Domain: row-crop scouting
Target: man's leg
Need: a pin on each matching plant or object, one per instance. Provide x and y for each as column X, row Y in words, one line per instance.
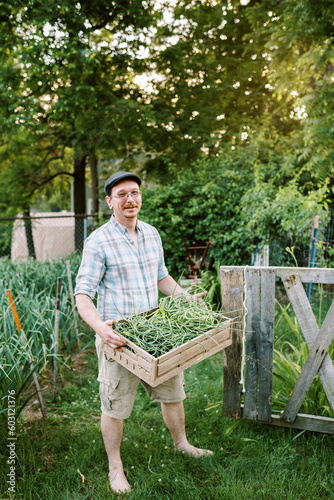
column 173, row 414
column 112, row 432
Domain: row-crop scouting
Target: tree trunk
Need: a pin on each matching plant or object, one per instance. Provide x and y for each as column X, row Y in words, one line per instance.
column 94, row 181
column 79, row 201
column 29, row 236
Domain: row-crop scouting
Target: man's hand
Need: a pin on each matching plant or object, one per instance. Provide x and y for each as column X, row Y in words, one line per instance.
column 200, row 295
column 104, row 329
column 197, row 297
column 109, row 336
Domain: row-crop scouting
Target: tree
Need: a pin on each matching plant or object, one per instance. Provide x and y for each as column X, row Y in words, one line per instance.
column 299, row 49
column 213, row 91
column 68, row 83
column 239, row 75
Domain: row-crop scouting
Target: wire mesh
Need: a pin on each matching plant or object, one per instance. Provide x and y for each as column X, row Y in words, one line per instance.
column 45, row 238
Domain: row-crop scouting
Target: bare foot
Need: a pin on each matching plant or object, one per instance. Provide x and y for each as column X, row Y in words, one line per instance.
column 192, row 451
column 118, row 482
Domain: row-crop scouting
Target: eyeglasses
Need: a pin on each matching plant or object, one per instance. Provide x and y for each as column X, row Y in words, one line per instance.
column 123, row 196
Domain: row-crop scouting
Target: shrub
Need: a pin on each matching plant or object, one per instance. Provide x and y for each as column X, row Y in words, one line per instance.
column 201, row 207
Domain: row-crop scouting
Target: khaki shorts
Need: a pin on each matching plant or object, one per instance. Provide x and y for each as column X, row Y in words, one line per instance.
column 118, row 387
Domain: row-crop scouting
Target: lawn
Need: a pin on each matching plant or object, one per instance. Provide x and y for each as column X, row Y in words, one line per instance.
column 63, row 456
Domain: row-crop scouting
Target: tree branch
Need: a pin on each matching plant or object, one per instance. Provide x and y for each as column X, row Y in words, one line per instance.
column 45, row 181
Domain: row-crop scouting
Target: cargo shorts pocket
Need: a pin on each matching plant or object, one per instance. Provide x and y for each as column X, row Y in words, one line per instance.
column 112, row 384
column 108, row 392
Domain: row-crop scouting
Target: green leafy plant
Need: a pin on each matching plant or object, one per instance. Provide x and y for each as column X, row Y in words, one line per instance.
column 289, row 359
column 33, row 287
column 211, row 282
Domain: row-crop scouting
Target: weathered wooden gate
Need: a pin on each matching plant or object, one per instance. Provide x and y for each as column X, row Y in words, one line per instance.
column 252, row 289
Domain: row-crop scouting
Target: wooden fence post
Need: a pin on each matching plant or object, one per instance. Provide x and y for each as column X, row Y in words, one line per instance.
column 266, row 348
column 252, row 281
column 232, row 304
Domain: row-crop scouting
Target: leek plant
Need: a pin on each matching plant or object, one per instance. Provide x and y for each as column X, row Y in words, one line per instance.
column 33, row 286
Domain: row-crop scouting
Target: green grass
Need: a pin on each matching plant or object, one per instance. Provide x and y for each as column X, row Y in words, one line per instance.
column 251, row 461
column 63, row 456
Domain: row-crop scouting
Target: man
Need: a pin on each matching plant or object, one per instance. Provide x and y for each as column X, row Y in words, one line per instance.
column 123, row 263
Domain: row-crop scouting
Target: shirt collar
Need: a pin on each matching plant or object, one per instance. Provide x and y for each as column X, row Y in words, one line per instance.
column 122, row 228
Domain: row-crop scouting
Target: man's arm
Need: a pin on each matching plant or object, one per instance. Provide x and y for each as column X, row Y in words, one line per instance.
column 168, row 286
column 89, row 314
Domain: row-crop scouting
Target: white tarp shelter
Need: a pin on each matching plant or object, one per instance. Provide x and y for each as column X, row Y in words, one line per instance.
column 53, row 236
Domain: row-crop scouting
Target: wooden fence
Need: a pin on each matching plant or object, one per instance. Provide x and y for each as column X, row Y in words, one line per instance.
column 249, row 293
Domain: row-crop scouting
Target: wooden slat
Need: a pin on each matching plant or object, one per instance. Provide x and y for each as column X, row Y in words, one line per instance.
column 232, row 304
column 252, row 279
column 125, row 356
column 188, row 361
column 307, row 422
column 311, row 366
column 196, row 351
column 310, row 330
column 265, row 346
column 307, row 275
column 303, row 421
column 214, row 333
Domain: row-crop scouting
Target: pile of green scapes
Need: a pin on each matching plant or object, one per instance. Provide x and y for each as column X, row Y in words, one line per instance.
column 177, row 320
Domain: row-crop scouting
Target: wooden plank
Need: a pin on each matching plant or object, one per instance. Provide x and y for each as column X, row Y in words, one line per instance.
column 126, row 357
column 186, row 363
column 303, row 421
column 307, row 274
column 307, row 422
column 232, row 304
column 201, row 347
column 265, row 346
column 252, row 280
column 311, row 366
column 310, row 329
column 214, row 333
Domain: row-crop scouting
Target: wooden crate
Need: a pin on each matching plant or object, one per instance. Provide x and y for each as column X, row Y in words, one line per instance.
column 154, row 371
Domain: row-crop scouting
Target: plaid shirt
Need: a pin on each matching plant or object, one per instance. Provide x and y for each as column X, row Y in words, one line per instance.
column 125, row 280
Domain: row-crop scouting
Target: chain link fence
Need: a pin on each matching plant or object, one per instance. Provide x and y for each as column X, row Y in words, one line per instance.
column 46, row 237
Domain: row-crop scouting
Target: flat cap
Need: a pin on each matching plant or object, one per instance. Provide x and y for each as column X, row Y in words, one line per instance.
column 118, row 177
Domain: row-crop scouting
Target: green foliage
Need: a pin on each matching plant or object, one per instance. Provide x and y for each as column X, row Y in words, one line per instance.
column 289, row 358
column 282, row 216
column 34, row 289
column 200, row 206
column 225, row 77
column 6, row 238
column 67, row 83
column 211, row 282
column 299, row 50
column 213, row 90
